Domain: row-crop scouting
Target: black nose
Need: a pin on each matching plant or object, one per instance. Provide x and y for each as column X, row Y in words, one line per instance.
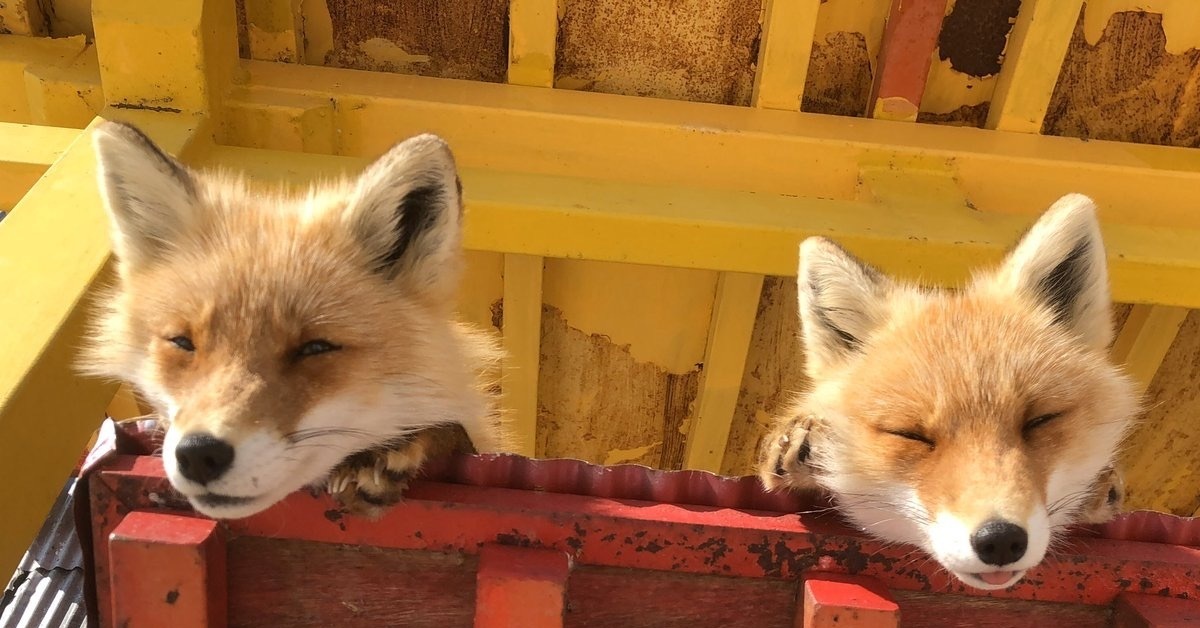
column 1000, row 542
column 202, row 458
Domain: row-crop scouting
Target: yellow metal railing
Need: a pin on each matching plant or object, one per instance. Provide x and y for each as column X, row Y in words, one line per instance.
column 547, row 173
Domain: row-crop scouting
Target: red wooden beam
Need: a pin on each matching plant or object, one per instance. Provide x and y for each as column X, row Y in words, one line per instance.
column 840, row 601
column 1138, row 610
column 520, row 587
column 167, row 570
column 909, row 40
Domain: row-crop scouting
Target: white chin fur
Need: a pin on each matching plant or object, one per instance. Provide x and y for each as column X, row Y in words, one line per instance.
column 949, row 541
column 264, row 471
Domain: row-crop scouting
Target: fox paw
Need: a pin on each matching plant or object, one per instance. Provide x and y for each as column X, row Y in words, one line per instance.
column 368, row 482
column 785, row 458
column 1106, row 498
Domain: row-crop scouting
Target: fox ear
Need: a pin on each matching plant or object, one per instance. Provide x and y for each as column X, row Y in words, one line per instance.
column 1060, row 262
column 407, row 210
column 149, row 196
column 840, row 299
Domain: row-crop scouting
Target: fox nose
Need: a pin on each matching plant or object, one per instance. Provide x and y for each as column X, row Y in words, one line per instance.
column 203, row 458
column 1000, row 542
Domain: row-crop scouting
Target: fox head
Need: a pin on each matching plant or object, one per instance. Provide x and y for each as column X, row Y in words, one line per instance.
column 970, row 423
column 276, row 334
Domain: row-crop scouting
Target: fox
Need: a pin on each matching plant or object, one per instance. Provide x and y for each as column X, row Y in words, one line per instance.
column 977, row 422
column 292, row 339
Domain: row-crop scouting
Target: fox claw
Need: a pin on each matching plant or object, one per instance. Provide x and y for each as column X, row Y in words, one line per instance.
column 368, row 482
column 784, row 460
column 1107, row 498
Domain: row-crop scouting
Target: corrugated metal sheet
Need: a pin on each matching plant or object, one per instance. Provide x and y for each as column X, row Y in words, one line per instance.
column 47, row 590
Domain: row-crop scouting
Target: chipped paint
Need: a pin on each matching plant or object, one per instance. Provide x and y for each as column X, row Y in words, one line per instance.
column 1179, row 20
column 386, row 53
column 622, row 456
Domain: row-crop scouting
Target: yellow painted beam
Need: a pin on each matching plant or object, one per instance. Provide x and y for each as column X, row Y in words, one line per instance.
column 788, row 27
column 661, row 142
column 1033, row 59
column 53, row 249
column 1151, row 465
column 733, row 316
column 687, row 227
column 532, row 31
column 176, row 56
column 1145, row 339
column 25, row 153
column 19, row 54
column 522, row 331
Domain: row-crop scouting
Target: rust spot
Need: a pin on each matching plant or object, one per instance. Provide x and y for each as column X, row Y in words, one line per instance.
column 1127, row 87
column 974, row 35
column 172, row 596
column 839, row 76
column 699, row 50
column 966, row 115
column 462, row 39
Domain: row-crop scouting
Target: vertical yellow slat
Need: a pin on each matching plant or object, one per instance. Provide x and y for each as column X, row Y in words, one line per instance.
column 1144, row 340
column 532, row 31
column 729, row 336
column 788, row 28
column 522, row 330
column 1033, row 58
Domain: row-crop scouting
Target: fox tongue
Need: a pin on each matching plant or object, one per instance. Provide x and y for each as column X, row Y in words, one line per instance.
column 997, row 577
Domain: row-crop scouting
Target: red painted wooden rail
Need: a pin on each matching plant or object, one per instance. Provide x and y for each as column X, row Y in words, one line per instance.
column 503, row 541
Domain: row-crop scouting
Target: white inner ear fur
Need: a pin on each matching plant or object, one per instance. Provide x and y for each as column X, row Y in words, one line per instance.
column 149, row 196
column 1060, row 263
column 840, row 302
column 406, row 208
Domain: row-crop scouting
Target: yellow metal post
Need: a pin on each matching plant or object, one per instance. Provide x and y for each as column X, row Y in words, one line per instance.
column 275, row 31
column 788, row 28
column 522, row 345
column 1036, row 48
column 729, row 335
column 533, row 28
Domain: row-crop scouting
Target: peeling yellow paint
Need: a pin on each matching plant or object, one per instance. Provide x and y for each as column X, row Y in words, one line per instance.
column 382, row 50
column 1179, row 20
column 948, row 89
column 621, row 456
column 661, row 314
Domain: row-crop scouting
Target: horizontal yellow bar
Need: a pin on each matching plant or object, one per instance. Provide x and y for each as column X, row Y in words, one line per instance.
column 25, row 153
column 672, row 143
column 555, row 216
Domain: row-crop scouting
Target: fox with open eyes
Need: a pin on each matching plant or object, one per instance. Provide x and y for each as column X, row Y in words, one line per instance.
column 292, row 340
column 974, row 424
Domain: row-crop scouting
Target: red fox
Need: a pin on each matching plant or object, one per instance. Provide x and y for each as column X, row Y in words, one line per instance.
column 291, row 340
column 975, row 424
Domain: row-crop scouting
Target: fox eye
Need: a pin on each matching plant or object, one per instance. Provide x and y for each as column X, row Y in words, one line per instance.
column 183, row 342
column 914, row 436
column 315, row 347
column 1039, row 421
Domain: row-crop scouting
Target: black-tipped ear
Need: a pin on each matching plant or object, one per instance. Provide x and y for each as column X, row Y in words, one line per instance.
column 839, row 301
column 407, row 210
column 149, row 196
column 1060, row 262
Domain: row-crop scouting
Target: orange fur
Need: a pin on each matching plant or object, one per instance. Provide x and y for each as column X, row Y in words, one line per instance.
column 936, row 413
column 249, row 277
